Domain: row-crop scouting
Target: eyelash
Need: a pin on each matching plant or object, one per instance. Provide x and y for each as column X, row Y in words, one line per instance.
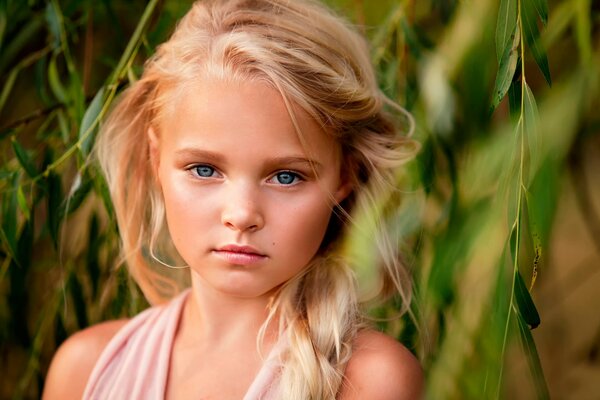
column 296, row 177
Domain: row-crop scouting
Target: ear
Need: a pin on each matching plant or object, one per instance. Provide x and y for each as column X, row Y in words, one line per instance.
column 153, row 148
column 343, row 190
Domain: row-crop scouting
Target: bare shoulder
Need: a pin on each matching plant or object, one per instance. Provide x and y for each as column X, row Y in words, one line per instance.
column 75, row 358
column 381, row 368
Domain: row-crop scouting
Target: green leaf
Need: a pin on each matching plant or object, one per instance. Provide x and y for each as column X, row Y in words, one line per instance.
column 23, row 203
column 533, row 359
column 90, row 122
column 505, row 26
column 507, row 68
column 78, row 300
column 2, row 26
column 531, row 122
column 54, row 80
column 525, row 303
column 414, row 44
column 24, row 159
column 93, row 255
column 514, row 92
column 8, row 85
column 55, row 196
column 541, row 7
column 79, row 192
column 532, row 36
column 53, row 21
column 9, row 214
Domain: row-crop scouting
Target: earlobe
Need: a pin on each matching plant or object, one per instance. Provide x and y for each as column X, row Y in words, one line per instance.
column 343, row 191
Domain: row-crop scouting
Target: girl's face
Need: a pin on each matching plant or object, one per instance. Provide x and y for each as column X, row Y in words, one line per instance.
column 245, row 208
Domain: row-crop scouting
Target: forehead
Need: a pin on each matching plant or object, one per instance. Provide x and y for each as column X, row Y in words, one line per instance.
column 236, row 115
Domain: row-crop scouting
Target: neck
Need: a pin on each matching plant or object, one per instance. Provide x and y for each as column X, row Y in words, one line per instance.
column 217, row 319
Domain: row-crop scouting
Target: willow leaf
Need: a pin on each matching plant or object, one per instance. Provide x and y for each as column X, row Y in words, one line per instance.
column 54, row 80
column 532, row 36
column 533, row 359
column 507, row 21
column 76, row 290
column 90, row 122
column 531, row 119
column 23, row 203
column 24, row 159
column 525, row 304
column 54, row 187
column 9, row 220
column 541, row 6
column 507, row 68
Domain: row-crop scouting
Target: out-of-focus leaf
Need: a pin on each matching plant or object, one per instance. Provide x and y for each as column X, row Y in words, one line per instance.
column 55, row 196
column 2, row 26
column 532, row 36
column 505, row 27
column 414, row 45
column 78, row 194
column 60, row 333
column 525, row 303
column 530, row 125
column 90, row 123
column 23, row 203
column 506, row 69
column 92, row 256
column 8, row 85
column 541, row 7
column 53, row 20
column 514, row 92
column 29, row 31
column 24, row 159
column 54, row 80
column 542, row 199
column 64, row 126
column 25, row 245
column 9, row 213
column 76, row 291
column 101, row 188
column 533, row 359
column 584, row 16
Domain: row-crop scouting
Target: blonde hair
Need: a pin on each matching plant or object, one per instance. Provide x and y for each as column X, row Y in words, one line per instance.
column 319, row 63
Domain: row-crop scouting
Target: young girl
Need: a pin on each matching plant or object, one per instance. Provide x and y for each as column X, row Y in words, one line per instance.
column 253, row 136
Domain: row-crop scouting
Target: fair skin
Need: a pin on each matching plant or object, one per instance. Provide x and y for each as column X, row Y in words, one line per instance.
column 247, row 207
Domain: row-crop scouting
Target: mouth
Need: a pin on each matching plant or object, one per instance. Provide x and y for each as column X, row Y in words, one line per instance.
column 239, row 255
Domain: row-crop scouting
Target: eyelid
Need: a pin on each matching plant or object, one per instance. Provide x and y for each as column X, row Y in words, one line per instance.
column 191, row 170
column 298, row 175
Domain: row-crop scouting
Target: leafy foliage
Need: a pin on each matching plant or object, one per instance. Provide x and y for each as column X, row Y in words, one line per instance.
column 474, row 216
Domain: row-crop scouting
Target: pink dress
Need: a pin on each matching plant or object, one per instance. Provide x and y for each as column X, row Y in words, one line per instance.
column 135, row 363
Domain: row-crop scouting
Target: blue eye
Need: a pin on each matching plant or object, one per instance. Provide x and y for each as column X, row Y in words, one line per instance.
column 286, row 178
column 204, row 171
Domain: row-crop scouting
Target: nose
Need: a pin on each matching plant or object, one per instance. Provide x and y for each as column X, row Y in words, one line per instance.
column 241, row 209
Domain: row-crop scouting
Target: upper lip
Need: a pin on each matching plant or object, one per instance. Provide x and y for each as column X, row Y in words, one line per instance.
column 235, row 248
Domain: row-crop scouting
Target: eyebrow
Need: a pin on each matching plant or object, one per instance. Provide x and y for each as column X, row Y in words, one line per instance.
column 210, row 156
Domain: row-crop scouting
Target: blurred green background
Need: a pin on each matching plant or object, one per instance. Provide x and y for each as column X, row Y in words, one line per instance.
column 499, row 215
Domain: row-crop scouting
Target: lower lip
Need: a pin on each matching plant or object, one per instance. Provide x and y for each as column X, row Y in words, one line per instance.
column 237, row 258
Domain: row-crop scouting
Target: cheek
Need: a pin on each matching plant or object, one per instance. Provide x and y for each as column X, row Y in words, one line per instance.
column 304, row 229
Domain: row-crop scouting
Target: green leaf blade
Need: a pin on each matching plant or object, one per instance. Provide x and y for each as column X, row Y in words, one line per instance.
column 505, row 26
column 525, row 304
column 533, row 359
column 531, row 123
column 532, row 37
column 89, row 123
column 507, row 68
column 541, row 6
column 24, row 159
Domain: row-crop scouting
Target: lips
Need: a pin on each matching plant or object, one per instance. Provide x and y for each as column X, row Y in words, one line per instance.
column 239, row 255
